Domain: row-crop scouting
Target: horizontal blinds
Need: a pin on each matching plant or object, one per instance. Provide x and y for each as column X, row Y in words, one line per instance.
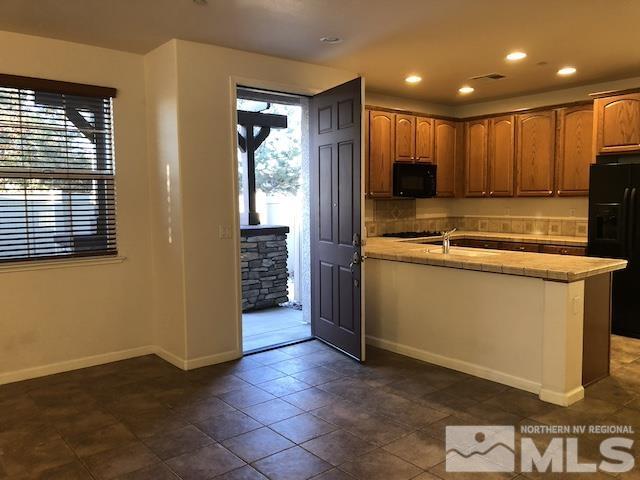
column 57, row 192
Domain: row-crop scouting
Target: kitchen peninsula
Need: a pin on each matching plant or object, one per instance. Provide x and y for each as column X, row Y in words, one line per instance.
column 534, row 321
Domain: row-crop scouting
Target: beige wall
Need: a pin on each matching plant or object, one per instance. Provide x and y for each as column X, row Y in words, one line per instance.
column 206, row 77
column 411, row 104
column 554, row 97
column 167, row 278
column 52, row 319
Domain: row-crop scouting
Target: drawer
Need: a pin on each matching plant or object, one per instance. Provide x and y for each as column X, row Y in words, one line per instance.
column 489, row 244
column 520, row 246
column 563, row 250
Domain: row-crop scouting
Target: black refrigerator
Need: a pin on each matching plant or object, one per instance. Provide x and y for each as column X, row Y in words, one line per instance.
column 614, row 226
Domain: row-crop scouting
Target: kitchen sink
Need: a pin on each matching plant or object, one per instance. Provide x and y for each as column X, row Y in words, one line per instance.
column 463, row 252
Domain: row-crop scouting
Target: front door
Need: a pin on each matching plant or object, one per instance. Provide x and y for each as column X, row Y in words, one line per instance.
column 335, row 188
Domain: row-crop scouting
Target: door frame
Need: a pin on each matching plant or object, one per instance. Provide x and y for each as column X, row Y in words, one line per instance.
column 293, row 89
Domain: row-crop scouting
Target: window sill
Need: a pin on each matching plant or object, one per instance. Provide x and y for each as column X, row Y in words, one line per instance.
column 62, row 263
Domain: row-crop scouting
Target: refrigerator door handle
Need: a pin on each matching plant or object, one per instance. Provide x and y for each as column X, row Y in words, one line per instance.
column 631, row 224
column 624, row 233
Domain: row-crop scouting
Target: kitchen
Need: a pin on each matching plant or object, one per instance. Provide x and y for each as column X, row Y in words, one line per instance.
column 467, row 195
column 423, row 270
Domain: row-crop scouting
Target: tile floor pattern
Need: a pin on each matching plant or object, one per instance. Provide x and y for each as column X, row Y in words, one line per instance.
column 304, row 411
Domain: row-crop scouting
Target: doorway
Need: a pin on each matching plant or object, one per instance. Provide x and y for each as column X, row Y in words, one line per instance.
column 300, row 183
column 274, row 218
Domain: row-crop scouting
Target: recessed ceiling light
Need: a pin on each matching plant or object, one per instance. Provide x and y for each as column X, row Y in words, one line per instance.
column 466, row 90
column 413, row 79
column 331, row 40
column 515, row 56
column 564, row 71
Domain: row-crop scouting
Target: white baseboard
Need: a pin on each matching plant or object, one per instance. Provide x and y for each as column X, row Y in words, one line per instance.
column 171, row 358
column 92, row 361
column 455, row 364
column 75, row 364
column 562, row 399
column 212, row 359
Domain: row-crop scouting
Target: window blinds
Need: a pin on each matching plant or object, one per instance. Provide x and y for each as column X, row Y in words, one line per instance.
column 57, row 192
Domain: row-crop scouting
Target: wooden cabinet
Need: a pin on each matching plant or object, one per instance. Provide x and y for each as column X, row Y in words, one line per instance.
column 424, row 139
column 476, row 135
column 617, row 124
column 520, row 247
column 535, row 153
column 382, row 127
column 563, row 250
column 445, row 157
column 501, row 156
column 405, row 150
column 574, row 150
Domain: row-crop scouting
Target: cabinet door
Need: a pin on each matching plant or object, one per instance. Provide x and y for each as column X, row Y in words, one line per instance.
column 574, row 150
column 563, row 250
column 445, row 157
column 519, row 246
column 535, row 155
column 476, row 134
column 405, row 138
column 618, row 123
column 501, row 156
column 424, row 139
column 366, row 153
column 381, row 151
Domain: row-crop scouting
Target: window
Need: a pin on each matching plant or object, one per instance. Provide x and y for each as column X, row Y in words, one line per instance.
column 57, row 193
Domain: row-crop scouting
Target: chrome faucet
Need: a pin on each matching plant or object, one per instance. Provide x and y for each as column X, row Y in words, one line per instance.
column 446, row 240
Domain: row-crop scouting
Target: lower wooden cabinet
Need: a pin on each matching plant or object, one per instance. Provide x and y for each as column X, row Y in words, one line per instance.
column 563, row 250
column 519, row 246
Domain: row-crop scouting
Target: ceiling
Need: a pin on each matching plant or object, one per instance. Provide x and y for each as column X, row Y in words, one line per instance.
column 444, row 41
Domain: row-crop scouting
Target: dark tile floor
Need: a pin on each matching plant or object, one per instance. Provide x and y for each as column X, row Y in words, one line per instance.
column 303, row 411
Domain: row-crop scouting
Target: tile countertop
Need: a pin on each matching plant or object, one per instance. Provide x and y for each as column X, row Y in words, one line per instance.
column 560, row 268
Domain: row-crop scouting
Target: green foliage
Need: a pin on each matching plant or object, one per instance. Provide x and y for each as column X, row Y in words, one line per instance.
column 278, row 160
column 277, row 170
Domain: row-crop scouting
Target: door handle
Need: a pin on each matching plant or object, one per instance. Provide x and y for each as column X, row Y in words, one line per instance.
column 625, row 222
column 631, row 224
column 357, row 259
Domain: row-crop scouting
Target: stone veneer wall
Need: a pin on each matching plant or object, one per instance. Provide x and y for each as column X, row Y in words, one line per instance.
column 263, row 254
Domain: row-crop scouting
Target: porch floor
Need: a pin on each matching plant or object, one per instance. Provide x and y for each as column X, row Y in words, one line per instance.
column 273, row 326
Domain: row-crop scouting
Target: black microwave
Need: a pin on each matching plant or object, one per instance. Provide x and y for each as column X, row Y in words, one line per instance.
column 416, row 180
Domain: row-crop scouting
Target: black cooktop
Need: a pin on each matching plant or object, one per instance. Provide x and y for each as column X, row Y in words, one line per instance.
column 412, row 234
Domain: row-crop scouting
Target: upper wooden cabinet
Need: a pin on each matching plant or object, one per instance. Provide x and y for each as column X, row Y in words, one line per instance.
column 501, row 156
column 535, row 153
column 382, row 127
column 424, row 139
column 445, row 157
column 617, row 124
column 476, row 154
column 405, row 138
column 574, row 150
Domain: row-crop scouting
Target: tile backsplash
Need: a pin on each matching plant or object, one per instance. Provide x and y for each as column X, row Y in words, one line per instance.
column 390, row 216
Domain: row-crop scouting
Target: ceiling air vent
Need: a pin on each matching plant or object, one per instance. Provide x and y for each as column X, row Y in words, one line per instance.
column 489, row 76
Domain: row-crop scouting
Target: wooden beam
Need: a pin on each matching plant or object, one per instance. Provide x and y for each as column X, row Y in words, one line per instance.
column 258, row 119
